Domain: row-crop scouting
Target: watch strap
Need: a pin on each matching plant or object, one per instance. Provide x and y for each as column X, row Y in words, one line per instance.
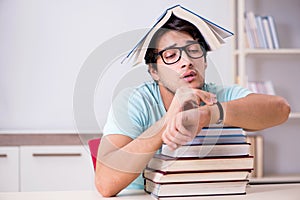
column 221, row 111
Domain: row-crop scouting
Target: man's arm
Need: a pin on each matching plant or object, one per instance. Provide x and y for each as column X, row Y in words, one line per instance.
column 122, row 159
column 253, row 112
column 256, row 111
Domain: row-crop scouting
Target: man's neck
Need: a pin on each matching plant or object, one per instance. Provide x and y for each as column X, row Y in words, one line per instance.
column 166, row 95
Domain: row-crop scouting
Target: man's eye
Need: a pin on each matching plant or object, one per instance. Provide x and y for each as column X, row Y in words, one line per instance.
column 170, row 55
column 194, row 50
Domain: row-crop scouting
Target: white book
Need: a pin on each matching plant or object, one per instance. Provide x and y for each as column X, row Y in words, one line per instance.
column 253, row 28
column 264, row 87
column 219, row 131
column 189, row 164
column 273, row 31
column 215, row 150
column 268, row 33
column 160, row 191
column 251, row 85
column 269, row 87
column 249, row 34
column 200, row 176
column 261, row 33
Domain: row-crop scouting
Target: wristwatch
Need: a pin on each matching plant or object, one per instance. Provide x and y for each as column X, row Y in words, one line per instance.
column 221, row 118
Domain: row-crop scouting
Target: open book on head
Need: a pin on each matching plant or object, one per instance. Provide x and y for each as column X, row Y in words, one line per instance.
column 212, row 33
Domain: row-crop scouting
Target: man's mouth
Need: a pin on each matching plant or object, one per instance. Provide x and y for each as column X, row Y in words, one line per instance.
column 189, row 76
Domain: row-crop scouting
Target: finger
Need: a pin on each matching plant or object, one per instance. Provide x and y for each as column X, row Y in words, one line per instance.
column 166, row 136
column 207, row 97
column 169, row 142
column 186, row 94
column 178, row 129
column 174, row 136
column 179, row 138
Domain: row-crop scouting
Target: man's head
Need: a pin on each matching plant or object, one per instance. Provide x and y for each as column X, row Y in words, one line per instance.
column 176, row 55
column 177, row 24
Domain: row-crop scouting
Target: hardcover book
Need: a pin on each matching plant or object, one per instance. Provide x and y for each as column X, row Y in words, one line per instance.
column 212, row 33
column 206, row 150
column 196, row 176
column 221, row 131
column 169, row 164
column 195, row 188
column 222, row 139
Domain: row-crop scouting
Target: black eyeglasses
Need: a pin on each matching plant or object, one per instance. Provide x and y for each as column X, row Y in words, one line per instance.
column 173, row 54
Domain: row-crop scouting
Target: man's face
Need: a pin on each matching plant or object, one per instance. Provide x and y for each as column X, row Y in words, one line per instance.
column 186, row 72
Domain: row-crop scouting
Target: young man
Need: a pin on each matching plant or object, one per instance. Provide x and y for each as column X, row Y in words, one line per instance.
column 173, row 108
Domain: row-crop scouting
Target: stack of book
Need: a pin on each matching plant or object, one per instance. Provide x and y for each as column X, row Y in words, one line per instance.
column 261, row 31
column 216, row 162
column 262, row 87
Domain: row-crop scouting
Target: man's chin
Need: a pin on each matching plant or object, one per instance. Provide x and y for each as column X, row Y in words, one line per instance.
column 194, row 85
column 180, row 84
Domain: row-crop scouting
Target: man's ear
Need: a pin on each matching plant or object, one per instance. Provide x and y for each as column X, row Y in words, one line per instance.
column 153, row 72
column 205, row 64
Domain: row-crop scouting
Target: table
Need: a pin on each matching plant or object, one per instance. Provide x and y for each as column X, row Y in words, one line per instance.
column 254, row 192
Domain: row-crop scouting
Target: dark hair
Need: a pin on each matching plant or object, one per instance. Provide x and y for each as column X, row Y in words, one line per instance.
column 174, row 23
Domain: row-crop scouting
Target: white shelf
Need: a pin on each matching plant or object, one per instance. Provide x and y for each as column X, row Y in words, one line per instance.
column 294, row 115
column 293, row 178
column 281, row 66
column 269, row 51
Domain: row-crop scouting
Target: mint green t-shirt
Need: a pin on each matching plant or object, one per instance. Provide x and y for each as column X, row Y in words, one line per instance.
column 134, row 110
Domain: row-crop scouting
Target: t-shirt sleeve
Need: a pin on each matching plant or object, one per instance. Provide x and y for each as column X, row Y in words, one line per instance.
column 125, row 115
column 231, row 93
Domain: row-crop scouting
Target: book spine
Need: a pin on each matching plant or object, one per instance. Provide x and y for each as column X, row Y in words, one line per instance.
column 273, row 31
column 267, row 32
column 261, row 33
column 269, row 87
column 250, row 17
column 248, row 34
column 264, row 87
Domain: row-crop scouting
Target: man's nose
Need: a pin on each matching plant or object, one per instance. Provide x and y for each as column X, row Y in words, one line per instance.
column 185, row 60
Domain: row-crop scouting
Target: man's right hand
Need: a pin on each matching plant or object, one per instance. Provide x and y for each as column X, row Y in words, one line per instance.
column 182, row 120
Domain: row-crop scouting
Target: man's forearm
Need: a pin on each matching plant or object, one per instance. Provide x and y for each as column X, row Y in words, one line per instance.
column 121, row 160
column 256, row 111
column 133, row 156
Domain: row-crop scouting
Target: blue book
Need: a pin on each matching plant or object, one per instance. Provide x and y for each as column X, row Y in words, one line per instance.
column 222, row 139
column 222, row 130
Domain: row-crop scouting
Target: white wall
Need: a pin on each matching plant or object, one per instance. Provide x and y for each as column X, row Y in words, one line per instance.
column 45, row 43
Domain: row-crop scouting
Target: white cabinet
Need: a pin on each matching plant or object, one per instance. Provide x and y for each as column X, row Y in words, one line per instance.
column 45, row 168
column 9, row 169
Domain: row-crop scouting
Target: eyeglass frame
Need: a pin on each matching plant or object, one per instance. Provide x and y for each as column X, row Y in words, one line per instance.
column 183, row 48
